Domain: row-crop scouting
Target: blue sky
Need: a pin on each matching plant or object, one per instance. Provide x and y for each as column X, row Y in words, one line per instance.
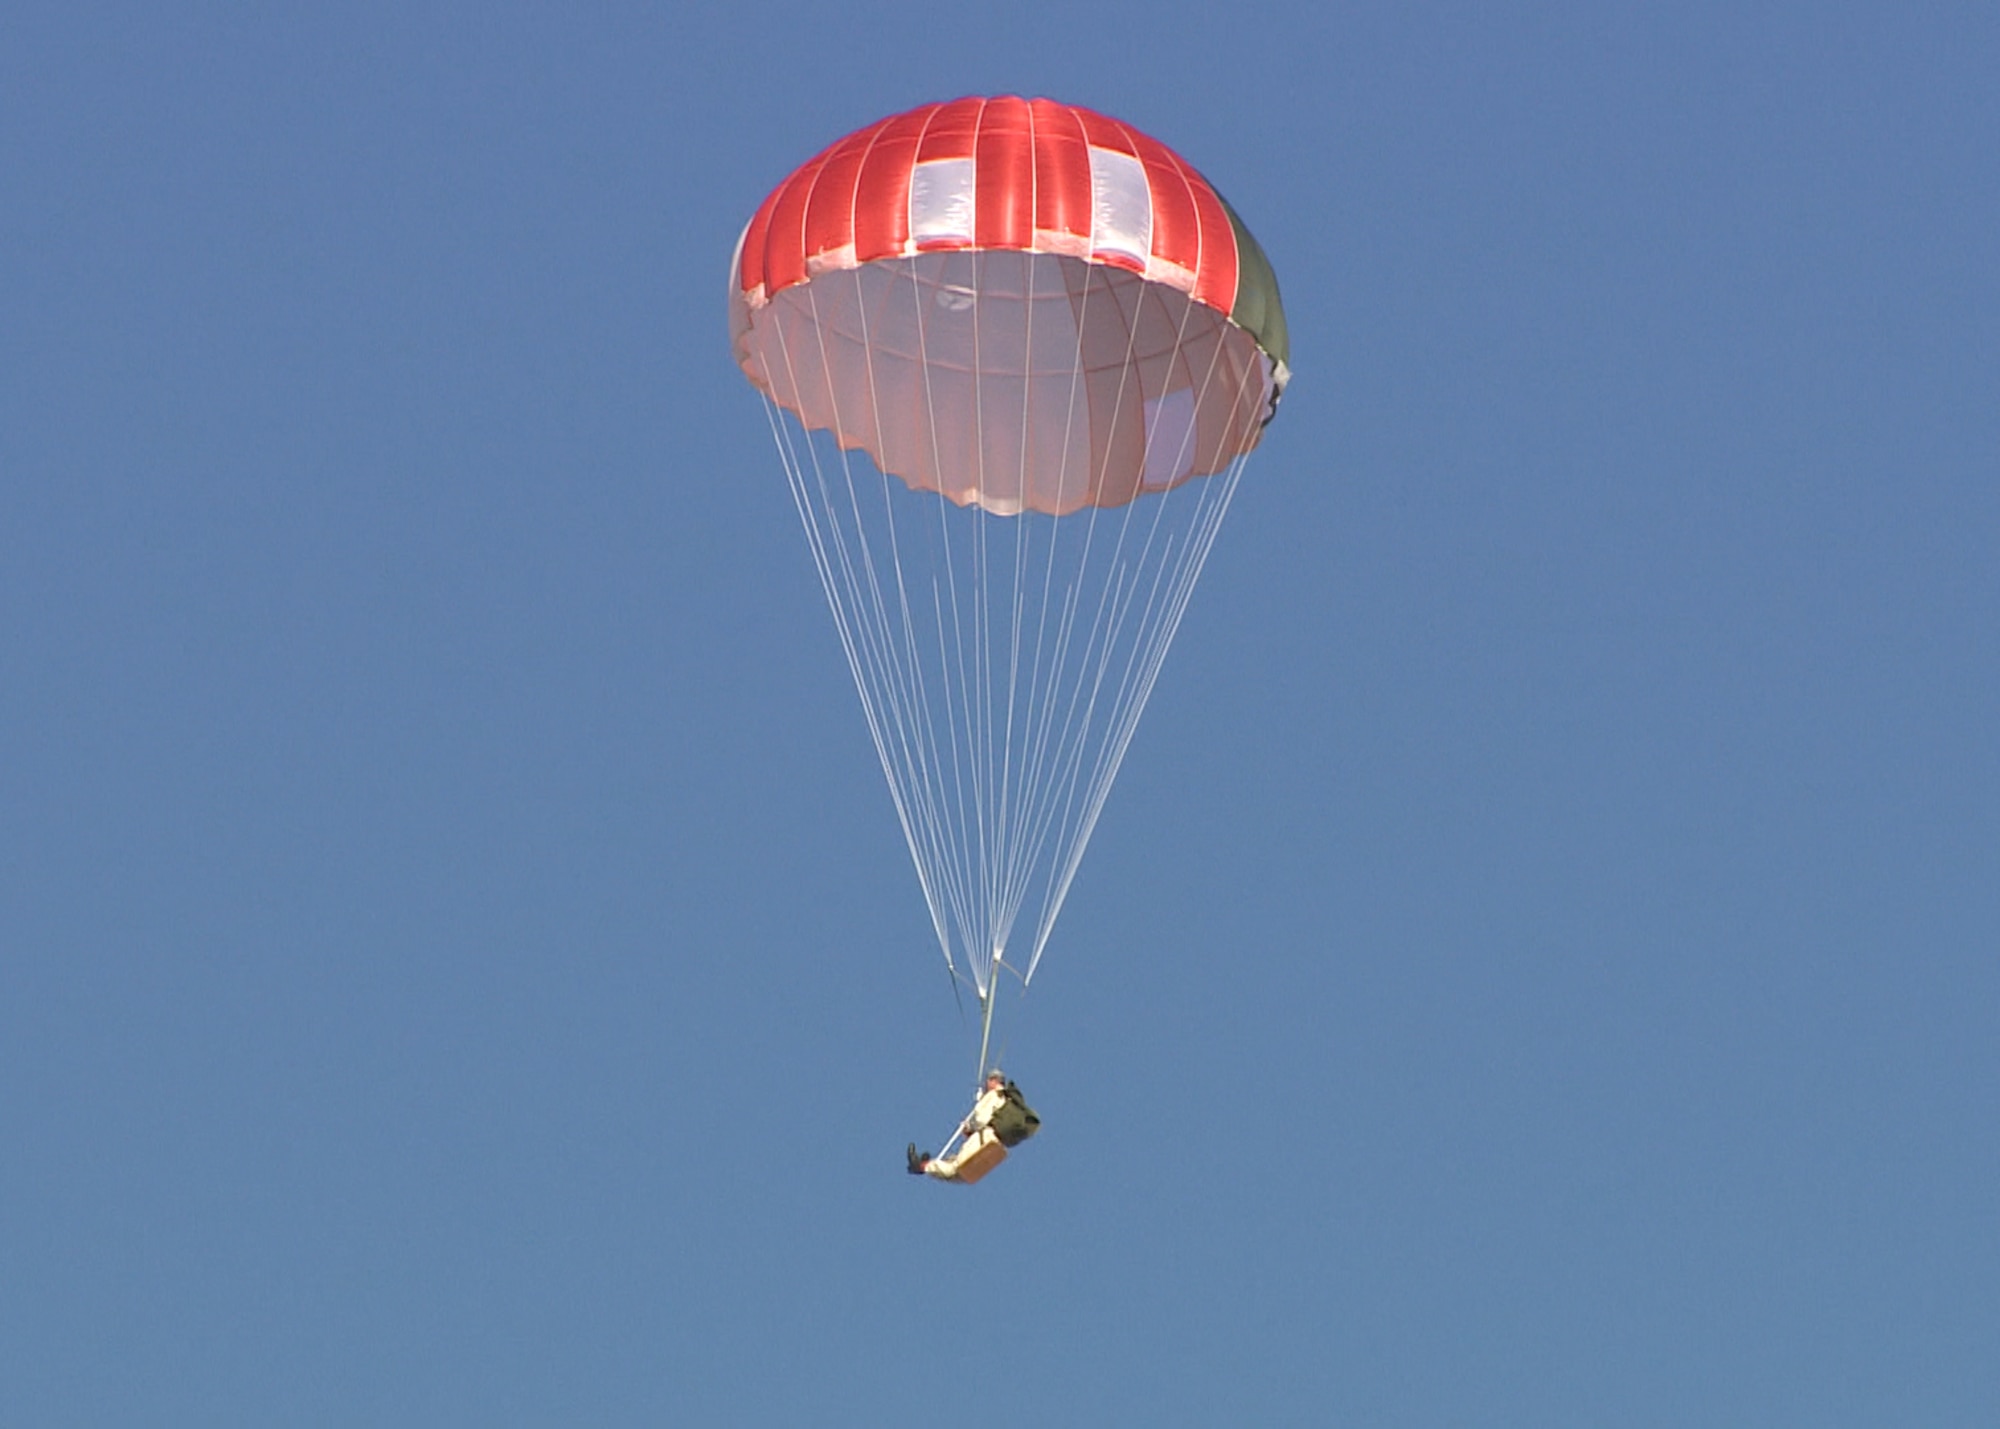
column 458, row 963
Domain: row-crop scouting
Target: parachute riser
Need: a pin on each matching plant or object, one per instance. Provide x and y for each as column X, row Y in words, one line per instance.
column 986, row 1026
column 986, row 1002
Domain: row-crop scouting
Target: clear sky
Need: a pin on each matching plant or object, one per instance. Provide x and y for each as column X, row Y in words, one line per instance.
column 458, row 962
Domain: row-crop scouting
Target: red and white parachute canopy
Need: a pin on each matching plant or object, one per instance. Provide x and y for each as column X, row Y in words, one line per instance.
column 1126, row 273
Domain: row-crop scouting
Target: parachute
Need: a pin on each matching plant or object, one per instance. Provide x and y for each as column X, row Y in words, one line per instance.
column 1014, row 355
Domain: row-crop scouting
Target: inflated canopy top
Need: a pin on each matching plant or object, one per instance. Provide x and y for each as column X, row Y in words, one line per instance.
column 1031, row 175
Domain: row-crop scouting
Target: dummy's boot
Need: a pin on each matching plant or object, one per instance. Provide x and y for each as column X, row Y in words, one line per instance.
column 918, row 1159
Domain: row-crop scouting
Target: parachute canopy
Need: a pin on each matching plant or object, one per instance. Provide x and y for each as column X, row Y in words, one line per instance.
column 1131, row 337
column 1055, row 344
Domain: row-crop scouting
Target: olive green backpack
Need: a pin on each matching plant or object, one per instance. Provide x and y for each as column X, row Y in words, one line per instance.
column 1014, row 1121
